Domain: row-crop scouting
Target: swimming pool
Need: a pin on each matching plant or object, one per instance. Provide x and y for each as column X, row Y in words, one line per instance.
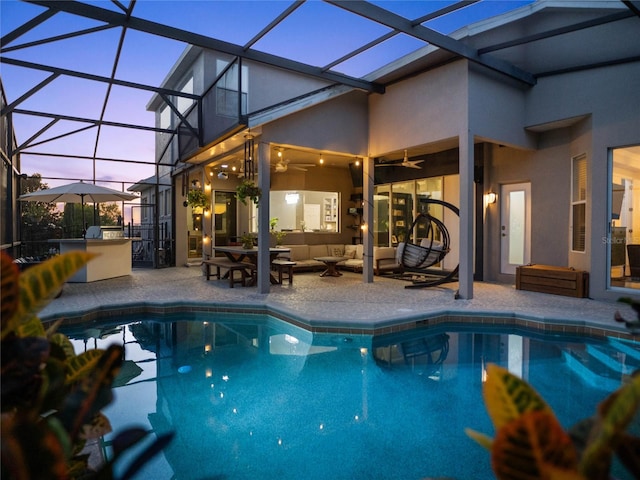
column 253, row 397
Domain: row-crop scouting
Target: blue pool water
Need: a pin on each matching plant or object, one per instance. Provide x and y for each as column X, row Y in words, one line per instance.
column 251, row 397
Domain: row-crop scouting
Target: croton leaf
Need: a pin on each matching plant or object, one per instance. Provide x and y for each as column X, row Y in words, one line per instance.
column 30, row 327
column 484, row 440
column 506, row 396
column 21, row 379
column 614, row 415
column 9, row 290
column 92, row 393
column 82, row 365
column 66, row 347
column 534, row 446
column 628, row 452
column 30, row 449
column 41, row 282
column 98, row 427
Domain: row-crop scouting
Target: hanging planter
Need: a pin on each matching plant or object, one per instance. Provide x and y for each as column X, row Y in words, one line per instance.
column 248, row 190
column 198, row 200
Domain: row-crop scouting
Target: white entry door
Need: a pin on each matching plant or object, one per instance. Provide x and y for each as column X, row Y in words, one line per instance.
column 515, row 226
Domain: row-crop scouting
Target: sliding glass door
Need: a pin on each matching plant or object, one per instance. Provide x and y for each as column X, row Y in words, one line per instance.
column 624, row 222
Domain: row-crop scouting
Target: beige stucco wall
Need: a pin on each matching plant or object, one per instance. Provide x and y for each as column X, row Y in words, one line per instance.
column 420, row 110
column 611, row 97
column 338, row 125
column 497, row 110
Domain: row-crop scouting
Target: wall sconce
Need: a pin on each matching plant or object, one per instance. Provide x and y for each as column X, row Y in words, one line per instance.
column 363, row 227
column 321, row 160
column 207, row 187
column 205, row 238
column 491, row 198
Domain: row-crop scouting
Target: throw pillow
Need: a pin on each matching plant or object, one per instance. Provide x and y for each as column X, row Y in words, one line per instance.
column 350, row 251
column 337, row 252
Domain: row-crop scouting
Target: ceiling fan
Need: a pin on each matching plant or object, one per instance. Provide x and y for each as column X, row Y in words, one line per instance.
column 405, row 163
column 284, row 164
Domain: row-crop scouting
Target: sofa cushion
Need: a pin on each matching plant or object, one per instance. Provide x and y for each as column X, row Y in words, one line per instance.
column 298, row 252
column 317, row 251
column 335, row 250
column 436, row 245
column 350, row 251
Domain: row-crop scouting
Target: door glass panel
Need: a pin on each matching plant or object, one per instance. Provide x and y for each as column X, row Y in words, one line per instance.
column 224, row 218
column 381, row 216
column 430, row 188
column 624, row 234
column 402, row 211
column 517, row 231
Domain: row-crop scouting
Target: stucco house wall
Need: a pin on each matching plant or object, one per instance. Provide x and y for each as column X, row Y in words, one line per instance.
column 337, row 125
column 611, row 98
column 423, row 109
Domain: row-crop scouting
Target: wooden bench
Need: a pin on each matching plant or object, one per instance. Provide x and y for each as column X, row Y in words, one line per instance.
column 556, row 280
column 245, row 269
column 284, row 266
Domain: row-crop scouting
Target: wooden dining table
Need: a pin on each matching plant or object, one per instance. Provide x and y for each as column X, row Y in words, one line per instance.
column 239, row 254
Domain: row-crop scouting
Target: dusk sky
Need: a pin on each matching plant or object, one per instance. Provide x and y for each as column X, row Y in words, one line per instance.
column 317, row 33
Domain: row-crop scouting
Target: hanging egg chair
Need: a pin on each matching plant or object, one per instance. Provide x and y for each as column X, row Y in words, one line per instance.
column 417, row 259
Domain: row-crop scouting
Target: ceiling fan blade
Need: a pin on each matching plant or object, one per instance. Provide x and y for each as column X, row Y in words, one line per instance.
column 296, row 167
column 412, row 164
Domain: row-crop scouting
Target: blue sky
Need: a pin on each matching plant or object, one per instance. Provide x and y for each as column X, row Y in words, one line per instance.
column 316, row 33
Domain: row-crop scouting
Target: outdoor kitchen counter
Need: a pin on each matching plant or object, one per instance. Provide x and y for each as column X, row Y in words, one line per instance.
column 114, row 259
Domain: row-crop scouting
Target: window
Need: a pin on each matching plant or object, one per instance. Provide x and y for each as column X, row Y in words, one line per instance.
column 302, row 210
column 165, row 117
column 183, row 103
column 579, row 203
column 227, row 89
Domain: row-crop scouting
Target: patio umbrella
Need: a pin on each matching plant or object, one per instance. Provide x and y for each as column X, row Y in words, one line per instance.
column 78, row 192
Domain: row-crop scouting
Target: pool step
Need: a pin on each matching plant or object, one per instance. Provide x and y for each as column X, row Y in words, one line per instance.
column 616, row 360
column 592, row 370
column 627, row 348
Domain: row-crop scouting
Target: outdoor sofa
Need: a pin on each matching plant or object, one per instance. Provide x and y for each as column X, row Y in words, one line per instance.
column 384, row 258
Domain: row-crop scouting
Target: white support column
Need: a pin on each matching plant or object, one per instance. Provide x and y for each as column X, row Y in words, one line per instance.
column 264, row 182
column 466, row 161
column 367, row 218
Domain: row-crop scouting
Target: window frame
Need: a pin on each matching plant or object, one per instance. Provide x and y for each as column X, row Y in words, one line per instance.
column 578, row 205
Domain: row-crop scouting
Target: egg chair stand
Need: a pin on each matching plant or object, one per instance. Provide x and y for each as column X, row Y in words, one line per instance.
column 417, row 259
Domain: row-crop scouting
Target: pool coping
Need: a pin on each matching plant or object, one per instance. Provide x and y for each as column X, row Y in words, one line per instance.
column 382, row 326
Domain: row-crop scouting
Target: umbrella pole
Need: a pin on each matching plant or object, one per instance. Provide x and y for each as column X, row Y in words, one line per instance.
column 84, row 228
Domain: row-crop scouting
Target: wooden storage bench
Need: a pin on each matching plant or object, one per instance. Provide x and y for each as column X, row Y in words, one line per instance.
column 557, row 280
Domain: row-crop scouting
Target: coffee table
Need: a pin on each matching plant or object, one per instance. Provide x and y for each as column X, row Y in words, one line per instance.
column 330, row 262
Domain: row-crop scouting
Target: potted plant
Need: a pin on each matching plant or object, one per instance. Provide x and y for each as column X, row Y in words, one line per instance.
column 52, row 398
column 247, row 241
column 279, row 235
column 248, row 189
column 197, row 199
